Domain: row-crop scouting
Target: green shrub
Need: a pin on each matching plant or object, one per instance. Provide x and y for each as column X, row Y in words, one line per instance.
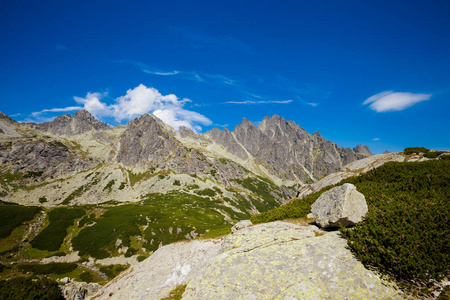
column 206, row 192
column 122, row 185
column 87, row 277
column 53, row 235
column 177, row 293
column 12, row 216
column 42, row 200
column 141, row 258
column 177, row 182
column 28, row 289
column 50, row 268
column 109, row 185
column 113, row 270
column 415, row 150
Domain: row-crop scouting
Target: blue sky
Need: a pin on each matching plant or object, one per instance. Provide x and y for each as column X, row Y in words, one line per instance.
column 369, row 72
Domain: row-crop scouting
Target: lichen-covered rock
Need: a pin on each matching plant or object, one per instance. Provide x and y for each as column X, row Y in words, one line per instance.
column 342, row 205
column 168, row 267
column 240, row 225
column 73, row 290
column 285, row 261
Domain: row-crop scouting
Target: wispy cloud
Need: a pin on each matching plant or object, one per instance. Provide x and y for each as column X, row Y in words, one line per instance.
column 187, row 75
column 375, row 139
column 394, row 101
column 59, row 46
column 250, row 102
column 200, row 39
column 313, row 104
column 138, row 101
column 65, row 109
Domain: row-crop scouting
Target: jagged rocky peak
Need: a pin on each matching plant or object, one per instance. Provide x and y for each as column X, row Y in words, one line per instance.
column 145, row 141
column 7, row 125
column 228, row 141
column 186, row 132
column 81, row 122
column 363, row 150
column 7, row 120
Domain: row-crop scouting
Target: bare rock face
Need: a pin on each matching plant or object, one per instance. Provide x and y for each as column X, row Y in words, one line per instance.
column 281, row 260
column 78, row 290
column 362, row 151
column 46, row 158
column 168, row 267
column 342, row 205
column 290, row 152
column 241, row 225
column 81, row 122
column 227, row 140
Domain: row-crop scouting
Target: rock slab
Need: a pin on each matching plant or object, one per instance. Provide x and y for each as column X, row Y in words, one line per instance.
column 281, row 260
column 342, row 205
column 164, row 270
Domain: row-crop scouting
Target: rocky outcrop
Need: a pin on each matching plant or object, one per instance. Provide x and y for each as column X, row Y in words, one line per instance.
column 285, row 261
column 353, row 169
column 362, row 151
column 41, row 157
column 81, row 122
column 168, row 267
column 73, row 290
column 7, row 126
column 340, row 206
column 227, row 140
column 241, row 225
column 290, row 152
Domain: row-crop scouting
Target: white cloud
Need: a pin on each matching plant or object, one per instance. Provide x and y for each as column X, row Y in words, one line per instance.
column 141, row 100
column 65, row 109
column 248, row 102
column 376, row 139
column 313, row 104
column 393, row 101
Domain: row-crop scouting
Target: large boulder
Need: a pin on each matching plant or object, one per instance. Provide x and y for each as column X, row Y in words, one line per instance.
column 342, row 205
column 281, row 260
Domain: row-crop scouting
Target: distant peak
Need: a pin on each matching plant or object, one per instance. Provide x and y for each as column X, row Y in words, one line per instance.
column 83, row 114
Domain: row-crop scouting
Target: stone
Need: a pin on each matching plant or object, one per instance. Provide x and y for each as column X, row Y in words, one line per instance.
column 240, row 225
column 164, row 270
column 281, row 260
column 342, row 205
column 74, row 290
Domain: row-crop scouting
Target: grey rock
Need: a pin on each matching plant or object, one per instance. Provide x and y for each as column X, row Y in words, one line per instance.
column 281, row 260
column 73, row 290
column 362, row 150
column 81, row 122
column 168, row 267
column 228, row 141
column 240, row 225
column 342, row 205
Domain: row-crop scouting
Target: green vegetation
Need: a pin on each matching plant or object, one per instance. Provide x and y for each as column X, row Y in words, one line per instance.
column 261, row 187
column 160, row 215
column 122, row 185
column 79, row 191
column 426, row 152
column 42, row 200
column 406, row 233
column 12, row 216
column 177, row 293
column 29, row 289
column 87, row 277
column 206, row 192
column 50, row 268
column 113, row 270
column 177, row 182
column 296, row 208
column 53, row 235
column 109, row 185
